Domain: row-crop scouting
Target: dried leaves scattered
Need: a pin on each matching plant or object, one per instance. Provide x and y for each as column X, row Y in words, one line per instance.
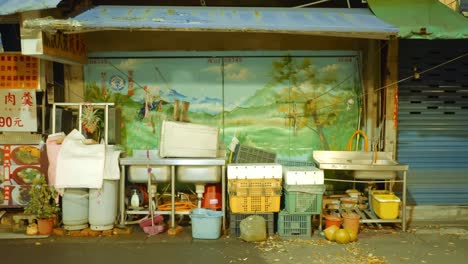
column 293, row 249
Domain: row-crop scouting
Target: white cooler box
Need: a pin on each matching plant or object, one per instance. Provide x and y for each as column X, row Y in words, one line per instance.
column 302, row 175
column 254, row 171
column 187, row 140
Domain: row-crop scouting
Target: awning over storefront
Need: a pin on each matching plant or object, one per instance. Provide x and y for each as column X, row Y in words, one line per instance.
column 8, row 7
column 421, row 19
column 358, row 23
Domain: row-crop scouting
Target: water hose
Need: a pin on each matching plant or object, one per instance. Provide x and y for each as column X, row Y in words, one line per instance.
column 357, row 133
column 179, row 206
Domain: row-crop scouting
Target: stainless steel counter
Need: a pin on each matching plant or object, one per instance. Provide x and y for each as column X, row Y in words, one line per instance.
column 173, row 162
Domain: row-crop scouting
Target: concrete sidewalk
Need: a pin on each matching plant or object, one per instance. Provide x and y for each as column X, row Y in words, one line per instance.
column 423, row 243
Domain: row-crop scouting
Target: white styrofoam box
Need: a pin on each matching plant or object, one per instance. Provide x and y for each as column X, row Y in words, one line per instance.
column 142, row 153
column 255, row 171
column 302, row 175
column 187, row 140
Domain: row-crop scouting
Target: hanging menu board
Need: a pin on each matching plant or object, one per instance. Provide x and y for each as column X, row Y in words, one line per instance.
column 18, row 71
column 18, row 110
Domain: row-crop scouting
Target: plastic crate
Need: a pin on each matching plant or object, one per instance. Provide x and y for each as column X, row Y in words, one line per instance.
column 254, row 204
column 235, row 219
column 303, row 199
column 254, row 187
column 254, row 171
column 385, row 206
column 294, row 225
column 246, row 154
column 295, row 163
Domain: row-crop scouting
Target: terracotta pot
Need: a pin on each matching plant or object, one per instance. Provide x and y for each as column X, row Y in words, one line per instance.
column 352, row 221
column 45, row 226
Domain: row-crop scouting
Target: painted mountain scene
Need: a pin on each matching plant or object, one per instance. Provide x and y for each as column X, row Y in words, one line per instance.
column 290, row 105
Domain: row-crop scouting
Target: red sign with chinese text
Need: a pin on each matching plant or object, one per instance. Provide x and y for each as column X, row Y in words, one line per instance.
column 19, row 72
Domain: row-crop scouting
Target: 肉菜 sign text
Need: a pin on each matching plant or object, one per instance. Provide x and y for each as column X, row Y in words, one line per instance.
column 18, row 110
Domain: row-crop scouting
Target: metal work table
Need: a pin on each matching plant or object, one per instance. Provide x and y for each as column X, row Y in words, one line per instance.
column 378, row 163
column 172, row 162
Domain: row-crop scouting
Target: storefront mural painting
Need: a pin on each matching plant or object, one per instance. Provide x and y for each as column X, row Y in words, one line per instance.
column 287, row 104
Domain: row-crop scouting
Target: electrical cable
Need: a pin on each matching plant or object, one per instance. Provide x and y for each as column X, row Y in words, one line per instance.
column 422, row 72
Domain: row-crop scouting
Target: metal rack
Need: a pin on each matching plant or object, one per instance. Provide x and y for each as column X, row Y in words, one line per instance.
column 79, row 106
column 368, row 216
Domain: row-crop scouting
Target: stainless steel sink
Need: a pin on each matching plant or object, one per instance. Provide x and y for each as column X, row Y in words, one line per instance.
column 373, row 162
column 364, row 164
column 198, row 174
column 139, row 174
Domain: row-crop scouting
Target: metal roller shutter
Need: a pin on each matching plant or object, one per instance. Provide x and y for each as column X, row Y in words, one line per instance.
column 433, row 121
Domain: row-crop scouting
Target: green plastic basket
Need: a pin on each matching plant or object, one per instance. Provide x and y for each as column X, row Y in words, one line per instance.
column 303, row 199
column 294, row 225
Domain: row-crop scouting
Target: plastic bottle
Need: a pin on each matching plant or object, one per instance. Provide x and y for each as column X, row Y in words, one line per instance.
column 135, row 201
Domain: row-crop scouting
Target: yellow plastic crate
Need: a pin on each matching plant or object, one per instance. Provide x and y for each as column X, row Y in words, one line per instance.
column 254, row 187
column 254, row 204
column 386, row 206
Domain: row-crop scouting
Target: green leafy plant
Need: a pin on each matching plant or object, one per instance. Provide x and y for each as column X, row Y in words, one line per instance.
column 42, row 203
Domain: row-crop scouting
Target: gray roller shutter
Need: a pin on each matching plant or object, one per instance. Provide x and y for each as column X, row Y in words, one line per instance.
column 433, row 121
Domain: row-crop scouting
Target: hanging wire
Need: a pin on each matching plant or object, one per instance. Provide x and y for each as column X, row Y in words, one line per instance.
column 313, row 3
column 422, row 72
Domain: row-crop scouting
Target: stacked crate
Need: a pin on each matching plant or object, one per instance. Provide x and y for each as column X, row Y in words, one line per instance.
column 254, row 189
column 303, row 191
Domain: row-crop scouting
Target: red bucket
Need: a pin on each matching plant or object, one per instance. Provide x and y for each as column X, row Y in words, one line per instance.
column 212, row 197
column 333, row 220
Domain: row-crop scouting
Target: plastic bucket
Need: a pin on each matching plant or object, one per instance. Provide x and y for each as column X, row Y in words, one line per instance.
column 351, row 222
column 103, row 206
column 333, row 220
column 75, row 208
column 206, row 224
column 212, row 197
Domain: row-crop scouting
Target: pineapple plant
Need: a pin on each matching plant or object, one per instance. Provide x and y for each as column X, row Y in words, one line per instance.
column 90, row 119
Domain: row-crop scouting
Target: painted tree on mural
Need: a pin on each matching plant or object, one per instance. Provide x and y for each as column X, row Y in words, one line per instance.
column 313, row 96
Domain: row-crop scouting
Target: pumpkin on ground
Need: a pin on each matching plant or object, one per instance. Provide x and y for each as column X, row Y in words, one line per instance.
column 330, row 232
column 352, row 235
column 342, row 236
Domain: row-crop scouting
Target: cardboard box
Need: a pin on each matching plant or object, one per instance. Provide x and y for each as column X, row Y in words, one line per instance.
column 187, row 140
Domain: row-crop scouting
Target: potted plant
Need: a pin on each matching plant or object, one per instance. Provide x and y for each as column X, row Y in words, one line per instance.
column 90, row 121
column 43, row 204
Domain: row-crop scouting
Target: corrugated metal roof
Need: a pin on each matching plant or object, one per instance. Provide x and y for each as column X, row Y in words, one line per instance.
column 14, row 6
column 319, row 21
column 421, row 19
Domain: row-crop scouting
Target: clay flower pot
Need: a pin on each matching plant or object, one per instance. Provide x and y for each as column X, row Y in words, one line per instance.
column 45, row 226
